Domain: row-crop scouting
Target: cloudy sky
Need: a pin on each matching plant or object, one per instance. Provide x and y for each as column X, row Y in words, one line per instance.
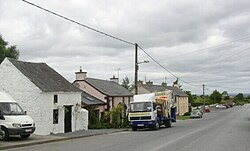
column 201, row 42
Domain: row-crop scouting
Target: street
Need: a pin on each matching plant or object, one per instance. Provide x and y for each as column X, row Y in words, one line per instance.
column 220, row 130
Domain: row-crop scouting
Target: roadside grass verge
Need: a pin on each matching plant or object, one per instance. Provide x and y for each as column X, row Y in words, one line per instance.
column 182, row 117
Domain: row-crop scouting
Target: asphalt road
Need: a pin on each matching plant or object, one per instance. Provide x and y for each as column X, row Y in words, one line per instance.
column 220, row 130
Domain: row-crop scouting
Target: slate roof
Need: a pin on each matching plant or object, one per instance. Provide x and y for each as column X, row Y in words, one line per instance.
column 109, row 88
column 44, row 77
column 154, row 88
column 91, row 100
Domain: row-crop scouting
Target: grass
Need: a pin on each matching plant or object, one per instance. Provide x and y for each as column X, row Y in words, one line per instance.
column 182, row 117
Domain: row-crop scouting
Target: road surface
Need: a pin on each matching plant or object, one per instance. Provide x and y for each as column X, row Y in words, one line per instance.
column 220, row 130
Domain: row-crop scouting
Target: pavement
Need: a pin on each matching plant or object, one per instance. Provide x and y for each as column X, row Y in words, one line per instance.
column 16, row 142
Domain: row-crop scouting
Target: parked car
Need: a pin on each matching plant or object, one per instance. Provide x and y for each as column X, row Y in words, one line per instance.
column 196, row 114
column 207, row 109
column 220, row 106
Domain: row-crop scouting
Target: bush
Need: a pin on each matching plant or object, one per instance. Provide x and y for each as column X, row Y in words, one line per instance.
column 100, row 126
column 187, row 114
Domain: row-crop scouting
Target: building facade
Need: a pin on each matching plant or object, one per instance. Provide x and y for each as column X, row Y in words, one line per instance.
column 109, row 92
column 180, row 97
column 52, row 101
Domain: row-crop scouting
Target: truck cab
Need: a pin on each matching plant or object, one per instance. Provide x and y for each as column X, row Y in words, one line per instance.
column 150, row 110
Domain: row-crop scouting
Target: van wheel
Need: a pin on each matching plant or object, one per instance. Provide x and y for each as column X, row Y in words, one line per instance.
column 4, row 134
column 25, row 136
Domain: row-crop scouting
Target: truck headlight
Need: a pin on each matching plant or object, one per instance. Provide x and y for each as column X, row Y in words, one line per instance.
column 34, row 124
column 17, row 125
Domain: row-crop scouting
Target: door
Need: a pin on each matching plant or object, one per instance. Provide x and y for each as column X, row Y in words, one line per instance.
column 67, row 119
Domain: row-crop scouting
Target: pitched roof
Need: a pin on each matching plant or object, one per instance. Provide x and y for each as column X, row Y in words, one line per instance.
column 44, row 77
column 91, row 100
column 109, row 88
column 154, row 88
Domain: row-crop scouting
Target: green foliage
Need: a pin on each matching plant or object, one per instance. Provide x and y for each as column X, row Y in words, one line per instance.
column 100, row 125
column 176, row 81
column 199, row 101
column 226, row 98
column 182, row 117
column 93, row 117
column 109, row 119
column 126, row 84
column 216, row 97
column 187, row 114
column 5, row 51
column 116, row 116
column 239, row 96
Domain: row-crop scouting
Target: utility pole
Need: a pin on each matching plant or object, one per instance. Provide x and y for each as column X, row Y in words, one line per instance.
column 136, row 68
column 203, row 87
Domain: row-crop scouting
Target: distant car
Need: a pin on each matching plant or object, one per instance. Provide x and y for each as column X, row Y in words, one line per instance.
column 220, row 106
column 196, row 114
column 207, row 109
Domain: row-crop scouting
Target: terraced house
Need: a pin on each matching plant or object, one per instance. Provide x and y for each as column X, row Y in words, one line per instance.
column 108, row 93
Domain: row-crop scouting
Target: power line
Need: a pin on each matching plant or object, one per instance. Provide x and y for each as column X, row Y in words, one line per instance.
column 164, row 67
column 218, row 61
column 78, row 23
column 212, row 47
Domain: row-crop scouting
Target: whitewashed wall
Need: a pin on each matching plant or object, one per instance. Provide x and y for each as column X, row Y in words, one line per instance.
column 38, row 104
column 20, row 88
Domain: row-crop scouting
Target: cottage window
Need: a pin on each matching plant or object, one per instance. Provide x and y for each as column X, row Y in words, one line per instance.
column 55, row 98
column 55, row 116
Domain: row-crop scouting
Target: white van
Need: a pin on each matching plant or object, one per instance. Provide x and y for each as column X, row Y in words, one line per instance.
column 13, row 120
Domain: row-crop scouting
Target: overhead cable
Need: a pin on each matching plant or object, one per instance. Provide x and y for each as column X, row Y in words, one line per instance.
column 165, row 68
column 78, row 23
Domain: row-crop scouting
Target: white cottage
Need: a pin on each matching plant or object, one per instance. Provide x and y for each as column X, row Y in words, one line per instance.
column 52, row 101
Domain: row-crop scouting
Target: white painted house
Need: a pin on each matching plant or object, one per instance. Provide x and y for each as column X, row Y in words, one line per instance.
column 52, row 101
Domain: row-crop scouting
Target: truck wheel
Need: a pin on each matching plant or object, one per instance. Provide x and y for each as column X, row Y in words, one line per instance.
column 168, row 123
column 25, row 136
column 4, row 134
column 134, row 128
column 157, row 126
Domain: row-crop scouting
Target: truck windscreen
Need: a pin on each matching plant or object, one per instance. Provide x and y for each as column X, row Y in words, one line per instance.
column 141, row 107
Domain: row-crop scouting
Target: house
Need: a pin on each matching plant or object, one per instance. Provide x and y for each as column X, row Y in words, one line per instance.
column 91, row 102
column 109, row 92
column 52, row 101
column 180, row 97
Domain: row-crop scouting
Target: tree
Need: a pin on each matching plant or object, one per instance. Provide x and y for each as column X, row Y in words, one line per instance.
column 126, row 84
column 216, row 97
column 224, row 93
column 240, row 96
column 7, row 51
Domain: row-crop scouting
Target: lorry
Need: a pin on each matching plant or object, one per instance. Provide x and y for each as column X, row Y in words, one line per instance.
column 13, row 119
column 152, row 110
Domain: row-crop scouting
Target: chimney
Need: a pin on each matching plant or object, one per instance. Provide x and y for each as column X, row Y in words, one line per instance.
column 149, row 83
column 164, row 84
column 114, row 79
column 139, row 83
column 81, row 75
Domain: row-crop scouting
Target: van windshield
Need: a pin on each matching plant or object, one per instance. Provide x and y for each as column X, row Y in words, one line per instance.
column 11, row 108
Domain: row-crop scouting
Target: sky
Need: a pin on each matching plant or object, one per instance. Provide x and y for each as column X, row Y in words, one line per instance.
column 200, row 42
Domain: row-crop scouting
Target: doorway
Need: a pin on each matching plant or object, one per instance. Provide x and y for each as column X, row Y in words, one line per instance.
column 67, row 118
